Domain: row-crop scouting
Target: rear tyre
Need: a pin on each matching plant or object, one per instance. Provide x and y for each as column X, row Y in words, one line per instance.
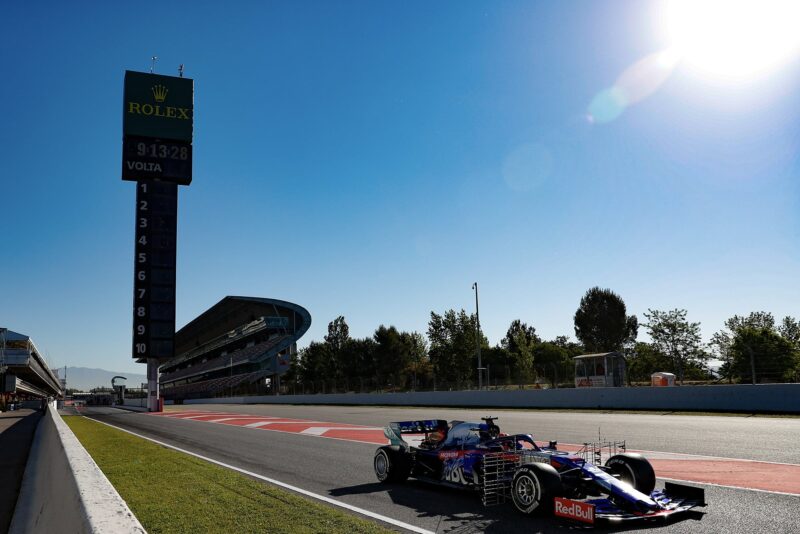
column 534, row 488
column 391, row 464
column 633, row 469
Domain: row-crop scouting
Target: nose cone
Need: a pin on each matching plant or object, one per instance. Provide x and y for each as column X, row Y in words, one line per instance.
column 647, row 505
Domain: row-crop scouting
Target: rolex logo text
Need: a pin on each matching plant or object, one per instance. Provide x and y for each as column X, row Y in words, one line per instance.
column 156, row 110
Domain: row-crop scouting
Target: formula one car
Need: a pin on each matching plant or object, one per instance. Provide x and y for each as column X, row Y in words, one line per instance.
column 477, row 456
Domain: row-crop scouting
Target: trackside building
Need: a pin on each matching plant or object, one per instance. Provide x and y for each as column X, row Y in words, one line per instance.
column 24, row 373
column 239, row 346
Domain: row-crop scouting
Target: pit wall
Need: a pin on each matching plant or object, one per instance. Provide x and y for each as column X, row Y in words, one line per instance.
column 63, row 490
column 141, row 403
column 760, row 398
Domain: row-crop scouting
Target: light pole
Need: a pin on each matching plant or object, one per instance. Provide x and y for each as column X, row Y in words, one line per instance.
column 478, row 336
column 230, row 376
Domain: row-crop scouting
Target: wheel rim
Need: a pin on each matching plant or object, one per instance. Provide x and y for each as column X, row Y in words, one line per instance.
column 380, row 464
column 525, row 490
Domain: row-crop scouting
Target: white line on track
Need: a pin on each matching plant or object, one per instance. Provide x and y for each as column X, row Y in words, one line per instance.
column 197, row 416
column 183, row 414
column 323, row 498
column 729, row 487
column 235, row 418
column 319, row 430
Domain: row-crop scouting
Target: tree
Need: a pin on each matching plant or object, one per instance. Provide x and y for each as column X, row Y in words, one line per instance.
column 316, row 364
column 676, row 338
column 601, row 323
column 520, row 342
column 572, row 348
column 764, row 352
column 293, row 374
column 359, row 357
column 552, row 359
column 644, row 360
column 338, row 333
column 356, row 363
column 452, row 346
column 419, row 364
column 391, row 356
column 519, row 333
column 721, row 341
column 500, row 364
column 790, row 331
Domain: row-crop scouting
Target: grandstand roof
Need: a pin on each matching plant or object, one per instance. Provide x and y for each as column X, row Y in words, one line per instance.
column 10, row 335
column 232, row 312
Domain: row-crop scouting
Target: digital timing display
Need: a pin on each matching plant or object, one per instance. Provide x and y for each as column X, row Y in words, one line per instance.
column 145, row 158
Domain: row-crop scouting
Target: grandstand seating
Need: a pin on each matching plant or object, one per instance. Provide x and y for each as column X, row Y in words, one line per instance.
column 222, row 362
column 210, row 354
column 211, row 387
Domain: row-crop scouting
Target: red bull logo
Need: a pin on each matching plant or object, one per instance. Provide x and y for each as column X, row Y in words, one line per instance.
column 576, row 510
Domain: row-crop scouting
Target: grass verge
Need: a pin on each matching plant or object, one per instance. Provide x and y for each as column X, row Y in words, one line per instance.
column 169, row 491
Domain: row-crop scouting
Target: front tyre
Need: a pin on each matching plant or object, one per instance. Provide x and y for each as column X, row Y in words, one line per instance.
column 391, row 464
column 633, row 469
column 534, row 488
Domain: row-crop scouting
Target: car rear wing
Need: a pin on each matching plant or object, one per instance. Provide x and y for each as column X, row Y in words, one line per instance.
column 395, row 431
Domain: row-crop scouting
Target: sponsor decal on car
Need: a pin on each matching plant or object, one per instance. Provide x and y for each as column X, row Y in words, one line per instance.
column 448, row 455
column 453, row 471
column 576, row 510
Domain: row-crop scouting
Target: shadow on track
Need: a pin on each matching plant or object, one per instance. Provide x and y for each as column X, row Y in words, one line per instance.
column 461, row 512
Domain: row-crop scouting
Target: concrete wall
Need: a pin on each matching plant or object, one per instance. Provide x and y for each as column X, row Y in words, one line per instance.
column 141, row 403
column 63, row 490
column 776, row 398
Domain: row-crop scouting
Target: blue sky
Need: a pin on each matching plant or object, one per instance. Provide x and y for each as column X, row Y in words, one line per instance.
column 374, row 159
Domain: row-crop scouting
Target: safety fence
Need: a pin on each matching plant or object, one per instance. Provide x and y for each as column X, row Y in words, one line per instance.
column 761, row 398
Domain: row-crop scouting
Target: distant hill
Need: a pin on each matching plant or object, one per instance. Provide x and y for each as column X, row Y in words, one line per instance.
column 84, row 378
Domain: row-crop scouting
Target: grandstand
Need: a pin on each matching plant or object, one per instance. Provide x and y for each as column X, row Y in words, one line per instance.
column 24, row 372
column 239, row 346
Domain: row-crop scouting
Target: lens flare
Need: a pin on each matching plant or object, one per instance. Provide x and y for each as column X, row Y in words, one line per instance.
column 730, row 39
column 638, row 82
column 527, row 167
column 734, row 39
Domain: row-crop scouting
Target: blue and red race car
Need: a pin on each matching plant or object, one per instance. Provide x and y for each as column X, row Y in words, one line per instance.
column 477, row 456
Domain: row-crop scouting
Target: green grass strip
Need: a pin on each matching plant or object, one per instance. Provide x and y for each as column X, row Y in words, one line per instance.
column 169, row 491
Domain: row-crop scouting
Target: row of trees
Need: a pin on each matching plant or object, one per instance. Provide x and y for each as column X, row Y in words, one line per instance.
column 752, row 348
column 445, row 358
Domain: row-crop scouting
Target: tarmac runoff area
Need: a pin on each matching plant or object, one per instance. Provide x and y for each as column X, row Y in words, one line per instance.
column 734, row 473
column 327, row 452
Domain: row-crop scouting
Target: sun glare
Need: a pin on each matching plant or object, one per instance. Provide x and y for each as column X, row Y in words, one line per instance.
column 734, row 38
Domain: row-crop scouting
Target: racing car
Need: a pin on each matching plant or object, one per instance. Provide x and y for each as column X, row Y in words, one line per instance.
column 537, row 479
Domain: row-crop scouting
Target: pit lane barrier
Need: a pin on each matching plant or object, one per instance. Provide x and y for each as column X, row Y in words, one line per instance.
column 63, row 490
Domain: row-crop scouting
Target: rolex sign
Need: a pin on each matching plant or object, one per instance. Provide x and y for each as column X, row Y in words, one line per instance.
column 158, row 106
column 157, row 116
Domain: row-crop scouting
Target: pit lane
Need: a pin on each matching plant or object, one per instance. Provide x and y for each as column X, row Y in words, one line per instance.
column 342, row 469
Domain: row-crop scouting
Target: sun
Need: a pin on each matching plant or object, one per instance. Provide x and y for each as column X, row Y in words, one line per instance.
column 735, row 39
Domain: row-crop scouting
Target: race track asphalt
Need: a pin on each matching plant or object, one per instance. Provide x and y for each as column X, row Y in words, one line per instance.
column 343, row 469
